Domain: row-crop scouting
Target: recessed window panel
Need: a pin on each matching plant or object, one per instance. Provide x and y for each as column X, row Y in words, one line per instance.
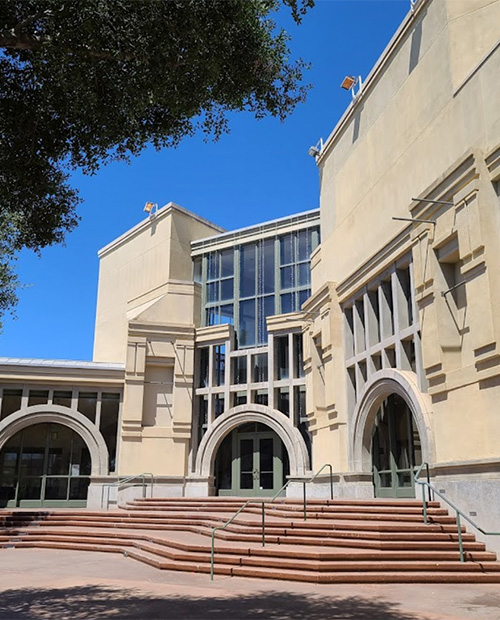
column 212, row 316
column 227, row 314
column 219, row 364
column 227, row 263
column 266, row 279
column 259, row 368
column 212, row 292
column 287, row 277
column 213, row 266
column 303, row 296
column 304, row 245
column 283, row 400
column 260, row 397
column 247, row 270
column 204, row 360
column 11, row 402
column 298, row 356
column 239, row 398
column 304, row 274
column 266, row 308
column 287, row 303
column 87, row 403
column 282, row 359
column 286, row 249
column 226, row 289
column 247, row 323
column 62, row 399
column 38, row 397
column 300, row 404
column 218, row 405
column 240, row 369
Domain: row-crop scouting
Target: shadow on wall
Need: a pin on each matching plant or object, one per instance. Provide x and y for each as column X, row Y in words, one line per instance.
column 100, row 602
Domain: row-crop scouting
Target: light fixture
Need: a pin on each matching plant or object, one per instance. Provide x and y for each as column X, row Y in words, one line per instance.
column 315, row 151
column 350, row 82
column 151, row 208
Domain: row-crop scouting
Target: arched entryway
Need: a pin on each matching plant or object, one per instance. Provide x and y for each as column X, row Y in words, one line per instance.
column 44, row 465
column 396, row 449
column 249, row 447
column 391, row 434
column 251, row 461
column 47, row 455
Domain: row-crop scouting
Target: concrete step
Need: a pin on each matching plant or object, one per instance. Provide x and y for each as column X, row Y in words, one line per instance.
column 355, row 576
column 339, row 542
column 103, row 537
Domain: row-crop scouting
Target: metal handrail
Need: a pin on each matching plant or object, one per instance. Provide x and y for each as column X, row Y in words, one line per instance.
column 121, row 481
column 263, row 502
column 459, row 513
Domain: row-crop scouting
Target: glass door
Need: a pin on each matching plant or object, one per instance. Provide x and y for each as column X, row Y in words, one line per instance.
column 396, row 449
column 256, row 464
column 260, row 466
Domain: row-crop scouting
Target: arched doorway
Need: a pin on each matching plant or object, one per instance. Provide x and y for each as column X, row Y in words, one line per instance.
column 251, row 461
column 396, row 449
column 393, row 415
column 42, row 465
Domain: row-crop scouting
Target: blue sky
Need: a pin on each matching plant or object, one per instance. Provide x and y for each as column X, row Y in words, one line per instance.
column 259, row 171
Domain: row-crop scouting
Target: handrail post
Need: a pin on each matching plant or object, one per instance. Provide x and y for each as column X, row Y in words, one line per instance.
column 460, row 541
column 331, row 480
column 424, row 504
column 263, row 524
column 304, row 497
column 428, row 482
column 212, row 559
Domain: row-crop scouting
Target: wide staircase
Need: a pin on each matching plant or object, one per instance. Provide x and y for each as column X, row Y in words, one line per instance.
column 340, row 541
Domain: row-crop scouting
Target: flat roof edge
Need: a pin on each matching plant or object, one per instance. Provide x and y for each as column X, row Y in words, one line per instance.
column 53, row 363
column 162, row 212
column 280, row 222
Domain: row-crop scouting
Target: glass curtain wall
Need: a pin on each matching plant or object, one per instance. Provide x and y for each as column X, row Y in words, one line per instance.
column 245, row 284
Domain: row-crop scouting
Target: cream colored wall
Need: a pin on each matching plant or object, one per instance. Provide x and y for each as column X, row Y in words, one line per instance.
column 423, row 126
column 137, row 269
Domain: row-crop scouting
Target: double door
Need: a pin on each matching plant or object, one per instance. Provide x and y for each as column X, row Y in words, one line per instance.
column 256, row 466
column 396, row 449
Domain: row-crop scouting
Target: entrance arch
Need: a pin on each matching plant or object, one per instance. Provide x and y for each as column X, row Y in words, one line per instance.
column 382, row 385
column 243, row 414
column 47, row 455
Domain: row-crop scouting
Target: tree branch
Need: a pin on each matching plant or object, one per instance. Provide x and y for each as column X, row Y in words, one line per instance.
column 11, row 40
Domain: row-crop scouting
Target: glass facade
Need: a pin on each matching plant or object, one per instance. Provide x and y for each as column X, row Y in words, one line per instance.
column 245, row 284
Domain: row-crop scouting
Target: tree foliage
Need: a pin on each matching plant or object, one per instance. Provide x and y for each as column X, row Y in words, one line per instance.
column 83, row 82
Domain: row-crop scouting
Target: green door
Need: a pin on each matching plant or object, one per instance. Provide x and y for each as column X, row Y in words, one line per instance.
column 256, row 465
column 396, row 449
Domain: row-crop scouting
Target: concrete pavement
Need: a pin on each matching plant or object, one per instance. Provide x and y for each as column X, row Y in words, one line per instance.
column 44, row 584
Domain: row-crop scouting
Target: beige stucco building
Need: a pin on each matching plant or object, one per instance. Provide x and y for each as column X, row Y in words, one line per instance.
column 364, row 335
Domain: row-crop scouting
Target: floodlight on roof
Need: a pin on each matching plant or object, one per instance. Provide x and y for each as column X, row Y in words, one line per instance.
column 315, row 151
column 151, row 208
column 350, row 82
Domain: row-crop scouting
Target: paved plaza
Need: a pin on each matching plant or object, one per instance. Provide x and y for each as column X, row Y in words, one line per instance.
column 42, row 584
